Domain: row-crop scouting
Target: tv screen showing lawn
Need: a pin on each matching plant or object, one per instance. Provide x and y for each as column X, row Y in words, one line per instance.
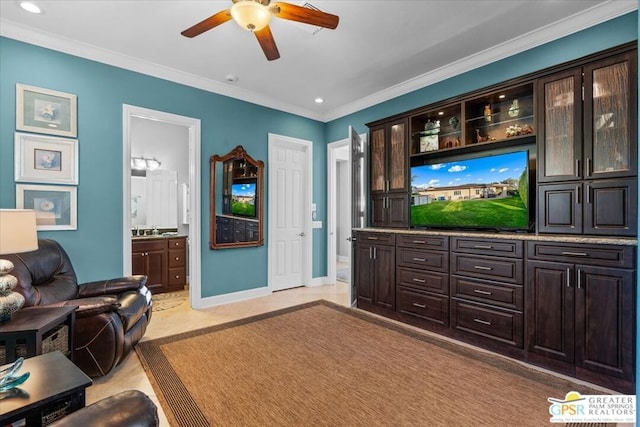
column 488, row 192
column 243, row 199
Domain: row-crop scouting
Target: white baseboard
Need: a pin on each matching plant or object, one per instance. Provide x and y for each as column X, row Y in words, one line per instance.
column 343, row 258
column 229, row 298
column 318, row 281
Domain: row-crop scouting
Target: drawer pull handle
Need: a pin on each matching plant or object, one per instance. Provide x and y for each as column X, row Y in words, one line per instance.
column 415, row 279
column 177, row 244
column 177, row 258
column 415, row 304
column 420, row 259
column 482, row 247
column 481, row 267
column 574, row 253
column 480, row 291
column 483, row 322
column 177, row 277
column 371, row 238
column 419, row 242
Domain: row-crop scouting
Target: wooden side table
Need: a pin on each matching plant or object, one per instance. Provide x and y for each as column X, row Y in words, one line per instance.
column 55, row 388
column 36, row 330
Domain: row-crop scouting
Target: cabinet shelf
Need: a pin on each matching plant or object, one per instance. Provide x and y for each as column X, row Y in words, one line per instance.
column 513, row 141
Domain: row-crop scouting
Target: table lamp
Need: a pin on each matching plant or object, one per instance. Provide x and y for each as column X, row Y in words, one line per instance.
column 17, row 234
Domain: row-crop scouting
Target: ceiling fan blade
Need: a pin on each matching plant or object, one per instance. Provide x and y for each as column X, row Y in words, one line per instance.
column 305, row 15
column 207, row 24
column 267, row 43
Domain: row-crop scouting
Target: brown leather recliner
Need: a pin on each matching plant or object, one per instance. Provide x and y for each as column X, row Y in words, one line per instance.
column 112, row 315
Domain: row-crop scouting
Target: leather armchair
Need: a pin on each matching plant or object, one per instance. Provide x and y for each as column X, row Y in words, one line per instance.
column 130, row 408
column 112, row 315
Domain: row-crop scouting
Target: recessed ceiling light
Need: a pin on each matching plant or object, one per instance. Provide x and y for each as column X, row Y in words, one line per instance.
column 30, row 7
column 319, row 100
column 231, row 78
column 502, row 96
column 441, row 113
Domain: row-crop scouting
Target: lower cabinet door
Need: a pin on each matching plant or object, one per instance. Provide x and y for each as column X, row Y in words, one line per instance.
column 605, row 299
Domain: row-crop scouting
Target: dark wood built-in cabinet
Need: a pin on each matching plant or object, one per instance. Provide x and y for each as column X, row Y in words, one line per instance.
column 375, row 275
column 580, row 306
column 163, row 260
column 422, row 279
column 388, row 174
column 486, row 288
column 561, row 294
column 587, row 149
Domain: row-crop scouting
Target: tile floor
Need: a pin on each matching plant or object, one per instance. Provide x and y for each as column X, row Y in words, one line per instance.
column 130, row 375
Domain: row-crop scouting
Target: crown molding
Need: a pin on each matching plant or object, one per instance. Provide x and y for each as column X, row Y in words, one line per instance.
column 590, row 17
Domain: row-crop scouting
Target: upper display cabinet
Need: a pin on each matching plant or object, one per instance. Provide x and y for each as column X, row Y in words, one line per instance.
column 500, row 115
column 505, row 114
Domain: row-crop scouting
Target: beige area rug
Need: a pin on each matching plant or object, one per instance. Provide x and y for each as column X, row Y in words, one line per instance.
column 320, row 364
column 169, row 300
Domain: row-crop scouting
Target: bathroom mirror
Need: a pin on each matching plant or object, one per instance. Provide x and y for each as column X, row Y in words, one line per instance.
column 236, row 200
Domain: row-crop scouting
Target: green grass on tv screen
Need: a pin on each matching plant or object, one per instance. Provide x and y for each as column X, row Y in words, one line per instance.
column 245, row 209
column 508, row 212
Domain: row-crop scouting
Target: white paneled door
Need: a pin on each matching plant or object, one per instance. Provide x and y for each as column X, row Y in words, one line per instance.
column 289, row 238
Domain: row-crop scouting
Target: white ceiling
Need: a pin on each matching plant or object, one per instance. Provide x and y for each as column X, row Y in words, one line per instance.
column 381, row 49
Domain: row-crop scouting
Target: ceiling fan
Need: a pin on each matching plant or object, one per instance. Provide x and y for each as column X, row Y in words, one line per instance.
column 254, row 16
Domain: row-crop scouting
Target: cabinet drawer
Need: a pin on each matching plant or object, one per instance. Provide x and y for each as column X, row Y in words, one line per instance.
column 505, row 248
column 424, row 280
column 177, row 276
column 489, row 268
column 177, row 243
column 251, row 225
column 177, row 258
column 428, row 260
column 379, row 238
column 148, row 245
column 507, row 296
column 426, row 306
column 501, row 325
column 606, row 255
column 422, row 241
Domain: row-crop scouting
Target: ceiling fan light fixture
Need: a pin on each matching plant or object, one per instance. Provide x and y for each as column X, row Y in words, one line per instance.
column 251, row 14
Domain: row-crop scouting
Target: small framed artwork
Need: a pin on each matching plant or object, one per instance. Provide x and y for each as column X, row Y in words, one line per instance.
column 55, row 206
column 45, row 159
column 46, row 111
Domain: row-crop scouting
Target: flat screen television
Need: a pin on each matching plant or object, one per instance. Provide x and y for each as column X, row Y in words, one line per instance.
column 243, row 199
column 490, row 191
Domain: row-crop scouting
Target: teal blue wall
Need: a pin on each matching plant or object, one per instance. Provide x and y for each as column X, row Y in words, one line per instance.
column 96, row 246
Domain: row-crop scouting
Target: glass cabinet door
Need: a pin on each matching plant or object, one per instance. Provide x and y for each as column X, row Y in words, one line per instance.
column 378, row 159
column 609, row 123
column 560, row 142
column 398, row 156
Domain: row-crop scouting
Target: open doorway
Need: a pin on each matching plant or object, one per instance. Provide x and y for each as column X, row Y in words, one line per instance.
column 157, row 196
column 345, row 204
column 339, row 212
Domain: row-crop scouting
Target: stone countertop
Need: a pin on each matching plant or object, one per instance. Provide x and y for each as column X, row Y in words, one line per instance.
column 157, row 236
column 560, row 238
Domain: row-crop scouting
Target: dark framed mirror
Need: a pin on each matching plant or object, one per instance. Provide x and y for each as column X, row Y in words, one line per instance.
column 236, row 218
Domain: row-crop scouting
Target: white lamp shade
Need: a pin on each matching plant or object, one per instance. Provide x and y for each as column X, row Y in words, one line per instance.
column 18, row 231
column 251, row 15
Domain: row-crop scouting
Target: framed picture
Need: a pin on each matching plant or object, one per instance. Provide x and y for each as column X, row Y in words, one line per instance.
column 45, row 159
column 55, row 206
column 46, row 111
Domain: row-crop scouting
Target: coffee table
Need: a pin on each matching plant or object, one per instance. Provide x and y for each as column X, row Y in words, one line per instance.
column 55, row 388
